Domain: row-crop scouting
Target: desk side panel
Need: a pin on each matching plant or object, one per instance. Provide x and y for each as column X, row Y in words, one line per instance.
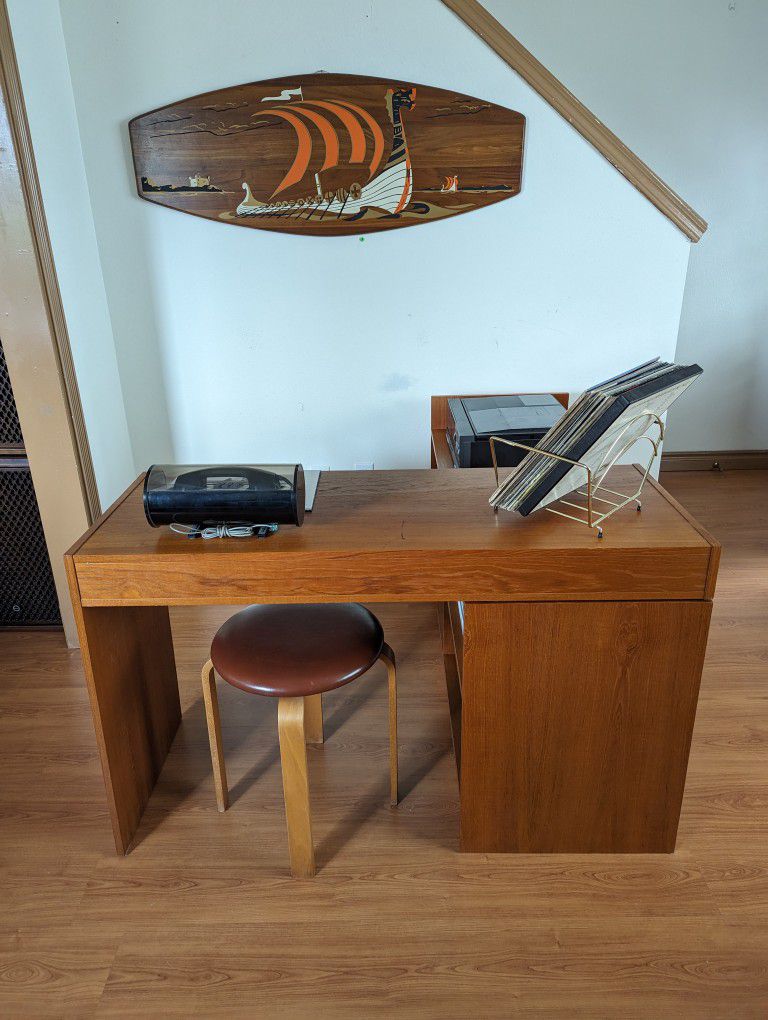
column 135, row 702
column 130, row 672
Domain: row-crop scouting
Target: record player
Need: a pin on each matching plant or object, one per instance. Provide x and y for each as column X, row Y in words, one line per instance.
column 211, row 494
column 524, row 417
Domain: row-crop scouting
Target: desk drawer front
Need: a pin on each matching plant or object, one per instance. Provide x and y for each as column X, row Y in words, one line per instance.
column 224, row 576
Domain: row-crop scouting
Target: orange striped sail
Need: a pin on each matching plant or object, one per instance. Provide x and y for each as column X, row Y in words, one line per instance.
column 353, row 118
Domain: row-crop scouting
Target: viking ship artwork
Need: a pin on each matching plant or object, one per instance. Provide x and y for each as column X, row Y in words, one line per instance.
column 328, row 154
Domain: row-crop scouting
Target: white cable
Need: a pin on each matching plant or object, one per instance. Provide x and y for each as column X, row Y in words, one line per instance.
column 225, row 530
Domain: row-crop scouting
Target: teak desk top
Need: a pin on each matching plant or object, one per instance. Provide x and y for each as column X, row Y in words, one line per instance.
column 421, row 535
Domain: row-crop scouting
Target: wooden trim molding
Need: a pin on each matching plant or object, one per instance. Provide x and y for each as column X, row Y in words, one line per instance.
column 513, row 53
column 715, row 460
column 10, row 83
column 58, row 464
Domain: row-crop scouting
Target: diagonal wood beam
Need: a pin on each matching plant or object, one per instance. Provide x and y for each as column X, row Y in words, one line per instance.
column 513, row 53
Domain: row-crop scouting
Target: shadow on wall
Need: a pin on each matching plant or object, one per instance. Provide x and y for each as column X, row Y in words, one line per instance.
column 143, row 368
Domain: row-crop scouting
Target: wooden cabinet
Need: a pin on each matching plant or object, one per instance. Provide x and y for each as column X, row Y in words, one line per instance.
column 576, row 722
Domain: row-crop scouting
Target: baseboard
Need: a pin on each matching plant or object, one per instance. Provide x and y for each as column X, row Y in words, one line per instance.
column 715, row 460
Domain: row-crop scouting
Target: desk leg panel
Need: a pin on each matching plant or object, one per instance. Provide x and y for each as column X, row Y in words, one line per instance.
column 131, row 675
column 576, row 724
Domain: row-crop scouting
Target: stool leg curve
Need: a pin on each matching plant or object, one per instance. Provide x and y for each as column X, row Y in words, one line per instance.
column 293, row 758
column 388, row 656
column 313, row 718
column 211, row 702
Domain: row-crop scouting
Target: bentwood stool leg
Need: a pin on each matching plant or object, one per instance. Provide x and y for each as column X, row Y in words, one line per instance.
column 389, row 658
column 293, row 756
column 214, row 735
column 313, row 718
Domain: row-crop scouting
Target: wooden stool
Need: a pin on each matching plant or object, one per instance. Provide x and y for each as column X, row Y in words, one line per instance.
column 296, row 653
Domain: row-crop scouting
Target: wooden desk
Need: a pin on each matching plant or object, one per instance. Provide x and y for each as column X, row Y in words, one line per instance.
column 579, row 661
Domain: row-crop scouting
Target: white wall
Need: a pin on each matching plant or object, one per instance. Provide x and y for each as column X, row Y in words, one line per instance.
column 53, row 123
column 685, row 84
column 277, row 347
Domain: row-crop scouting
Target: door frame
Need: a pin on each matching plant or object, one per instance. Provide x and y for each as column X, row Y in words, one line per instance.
column 36, row 341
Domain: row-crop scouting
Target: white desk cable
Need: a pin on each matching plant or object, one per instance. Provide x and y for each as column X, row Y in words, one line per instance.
column 225, row 530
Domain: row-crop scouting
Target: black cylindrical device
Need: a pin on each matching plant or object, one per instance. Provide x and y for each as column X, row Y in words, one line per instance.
column 208, row 494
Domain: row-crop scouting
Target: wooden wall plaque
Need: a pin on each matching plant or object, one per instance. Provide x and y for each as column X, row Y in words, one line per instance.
column 328, row 154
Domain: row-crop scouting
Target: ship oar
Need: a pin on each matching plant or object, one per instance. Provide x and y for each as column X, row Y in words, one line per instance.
column 346, row 196
column 313, row 208
column 330, row 200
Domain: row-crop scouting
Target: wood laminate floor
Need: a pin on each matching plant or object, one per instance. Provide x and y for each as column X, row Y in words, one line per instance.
column 202, row 920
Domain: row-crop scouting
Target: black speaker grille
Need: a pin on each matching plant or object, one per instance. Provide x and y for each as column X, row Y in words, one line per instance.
column 10, row 430
column 27, row 591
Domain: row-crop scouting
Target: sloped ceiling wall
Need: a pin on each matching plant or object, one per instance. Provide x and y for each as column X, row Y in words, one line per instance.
column 685, row 85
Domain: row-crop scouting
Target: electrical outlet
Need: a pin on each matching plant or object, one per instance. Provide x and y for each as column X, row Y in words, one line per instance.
column 364, row 467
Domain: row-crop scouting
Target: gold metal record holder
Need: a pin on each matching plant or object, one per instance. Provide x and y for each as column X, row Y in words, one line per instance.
column 596, row 490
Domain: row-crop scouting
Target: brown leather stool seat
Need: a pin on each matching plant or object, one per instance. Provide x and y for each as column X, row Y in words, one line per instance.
column 296, row 654
column 296, row 650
